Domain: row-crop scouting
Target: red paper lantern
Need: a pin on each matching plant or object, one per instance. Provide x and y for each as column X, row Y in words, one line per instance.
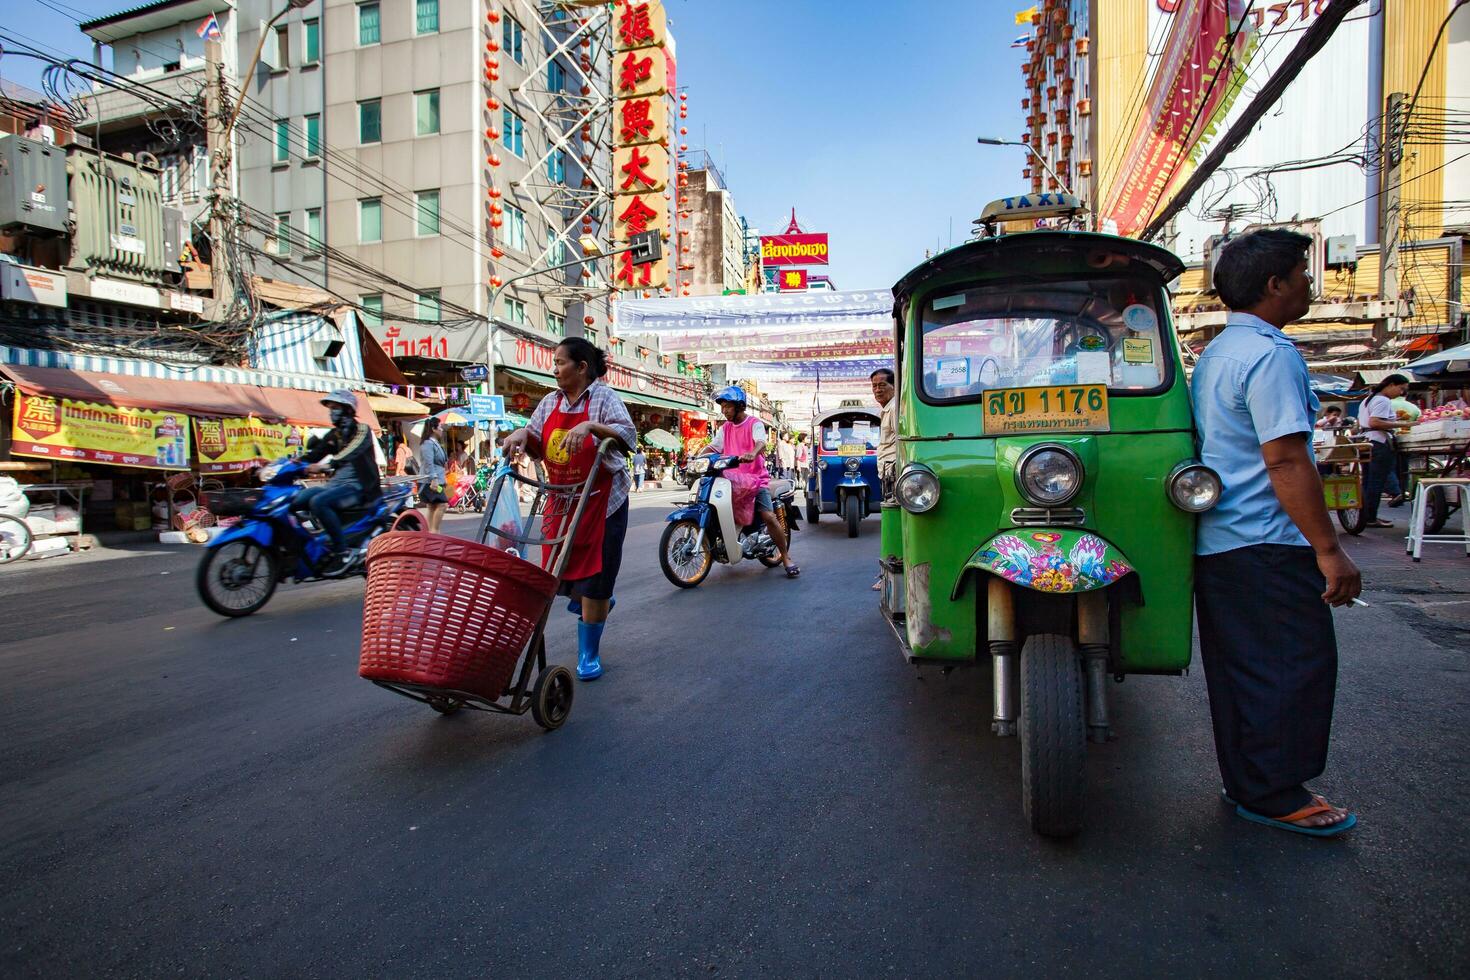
column 589, row 320
column 496, row 222
column 492, row 104
column 496, row 282
column 683, row 96
column 493, row 160
column 492, row 17
column 496, row 253
column 495, row 193
column 683, row 131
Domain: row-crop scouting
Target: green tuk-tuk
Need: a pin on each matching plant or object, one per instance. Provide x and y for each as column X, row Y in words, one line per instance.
column 1048, row 485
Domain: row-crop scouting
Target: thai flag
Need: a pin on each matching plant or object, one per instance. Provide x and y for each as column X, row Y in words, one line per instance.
column 1020, row 42
column 209, row 30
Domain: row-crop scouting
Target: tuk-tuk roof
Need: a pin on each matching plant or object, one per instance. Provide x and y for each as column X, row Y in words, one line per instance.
column 872, row 410
column 1013, row 249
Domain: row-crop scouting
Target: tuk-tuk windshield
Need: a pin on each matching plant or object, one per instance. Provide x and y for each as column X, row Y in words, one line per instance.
column 1015, row 335
column 852, row 434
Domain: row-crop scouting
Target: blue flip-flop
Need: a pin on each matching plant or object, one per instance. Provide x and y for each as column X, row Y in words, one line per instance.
column 1330, row 831
column 1226, row 798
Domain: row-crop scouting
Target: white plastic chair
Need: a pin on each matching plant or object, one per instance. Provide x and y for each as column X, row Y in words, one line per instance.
column 1417, row 539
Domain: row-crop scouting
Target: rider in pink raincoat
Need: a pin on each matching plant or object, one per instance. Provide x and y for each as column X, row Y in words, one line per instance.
column 744, row 436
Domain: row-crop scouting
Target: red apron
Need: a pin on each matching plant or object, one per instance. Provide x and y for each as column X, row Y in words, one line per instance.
column 568, row 464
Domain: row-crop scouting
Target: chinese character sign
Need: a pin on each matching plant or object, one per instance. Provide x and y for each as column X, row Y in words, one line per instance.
column 642, row 121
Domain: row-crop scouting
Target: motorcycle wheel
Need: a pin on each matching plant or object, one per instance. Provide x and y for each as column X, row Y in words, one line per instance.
column 684, row 554
column 1053, row 735
column 854, row 511
column 236, row 579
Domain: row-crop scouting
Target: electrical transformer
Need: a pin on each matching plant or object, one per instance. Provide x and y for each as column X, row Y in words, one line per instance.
column 32, row 186
column 119, row 219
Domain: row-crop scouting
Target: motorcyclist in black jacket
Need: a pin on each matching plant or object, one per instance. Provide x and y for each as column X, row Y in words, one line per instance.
column 346, row 452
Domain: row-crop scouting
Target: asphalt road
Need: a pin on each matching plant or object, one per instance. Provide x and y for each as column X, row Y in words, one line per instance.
column 759, row 784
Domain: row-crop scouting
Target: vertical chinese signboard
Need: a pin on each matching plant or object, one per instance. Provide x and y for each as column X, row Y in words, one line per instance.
column 641, row 164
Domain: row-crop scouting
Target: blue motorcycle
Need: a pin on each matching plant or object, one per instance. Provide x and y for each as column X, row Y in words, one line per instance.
column 703, row 531
column 242, row 567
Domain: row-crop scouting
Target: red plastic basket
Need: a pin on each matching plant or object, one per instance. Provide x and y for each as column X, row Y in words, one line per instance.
column 448, row 613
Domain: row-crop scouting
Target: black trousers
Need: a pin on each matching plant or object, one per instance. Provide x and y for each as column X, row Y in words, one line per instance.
column 1270, row 657
column 1379, row 467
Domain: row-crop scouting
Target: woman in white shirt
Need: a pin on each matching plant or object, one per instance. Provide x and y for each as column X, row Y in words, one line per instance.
column 1377, row 419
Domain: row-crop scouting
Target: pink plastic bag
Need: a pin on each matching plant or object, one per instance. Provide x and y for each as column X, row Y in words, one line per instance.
column 743, row 487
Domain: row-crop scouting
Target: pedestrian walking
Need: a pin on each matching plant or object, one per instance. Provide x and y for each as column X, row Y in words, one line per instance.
column 433, row 460
column 786, row 456
column 640, row 470
column 1268, row 562
column 1378, row 418
column 803, row 459
column 565, row 432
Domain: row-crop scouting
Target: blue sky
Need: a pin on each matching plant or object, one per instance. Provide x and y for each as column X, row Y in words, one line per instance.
column 861, row 114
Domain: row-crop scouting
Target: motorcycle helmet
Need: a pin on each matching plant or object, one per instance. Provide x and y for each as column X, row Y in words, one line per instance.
column 732, row 393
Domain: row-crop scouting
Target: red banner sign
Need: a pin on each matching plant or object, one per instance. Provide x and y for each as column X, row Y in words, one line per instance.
column 792, row 280
column 1197, row 77
column 794, row 249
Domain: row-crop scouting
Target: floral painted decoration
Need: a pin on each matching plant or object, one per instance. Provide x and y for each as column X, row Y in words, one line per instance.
column 1037, row 560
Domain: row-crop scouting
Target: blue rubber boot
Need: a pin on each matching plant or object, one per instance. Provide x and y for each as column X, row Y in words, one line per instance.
column 575, row 606
column 589, row 660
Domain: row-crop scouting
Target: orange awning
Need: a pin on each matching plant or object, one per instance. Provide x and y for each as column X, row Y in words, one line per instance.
column 208, row 398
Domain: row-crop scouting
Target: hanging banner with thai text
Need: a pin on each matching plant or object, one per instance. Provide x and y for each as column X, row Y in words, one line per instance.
column 234, row 444
column 62, row 429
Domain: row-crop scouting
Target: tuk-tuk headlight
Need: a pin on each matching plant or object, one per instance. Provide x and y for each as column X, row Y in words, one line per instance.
column 821, row 464
column 917, row 489
column 1194, row 487
column 1049, row 476
column 852, row 464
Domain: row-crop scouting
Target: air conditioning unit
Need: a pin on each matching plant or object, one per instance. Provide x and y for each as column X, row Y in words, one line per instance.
column 325, row 350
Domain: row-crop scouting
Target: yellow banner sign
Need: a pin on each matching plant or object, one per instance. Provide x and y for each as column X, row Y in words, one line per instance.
column 231, row 445
column 62, row 429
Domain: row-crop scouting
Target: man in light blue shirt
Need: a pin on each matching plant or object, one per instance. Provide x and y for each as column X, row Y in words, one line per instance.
column 1268, row 562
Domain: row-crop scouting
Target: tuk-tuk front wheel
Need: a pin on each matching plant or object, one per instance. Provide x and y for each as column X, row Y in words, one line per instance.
column 852, row 508
column 813, row 510
column 684, row 553
column 1053, row 730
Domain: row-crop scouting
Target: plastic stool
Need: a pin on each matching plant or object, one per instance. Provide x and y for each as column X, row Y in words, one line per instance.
column 1417, row 538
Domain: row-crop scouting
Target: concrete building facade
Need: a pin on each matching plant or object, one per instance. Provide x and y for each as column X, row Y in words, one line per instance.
column 716, row 236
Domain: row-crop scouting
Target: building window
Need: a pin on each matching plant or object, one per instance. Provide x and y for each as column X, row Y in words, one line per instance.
column 313, row 136
column 512, row 40
column 515, row 311
column 515, row 227
column 370, row 121
column 426, row 206
column 281, row 243
column 283, row 140
column 370, row 220
column 283, row 49
column 372, row 309
column 426, row 20
column 311, row 42
column 556, row 77
column 513, row 132
column 313, row 228
column 426, row 112
column 556, row 325
column 369, row 24
column 556, row 248
column 556, row 167
column 428, row 305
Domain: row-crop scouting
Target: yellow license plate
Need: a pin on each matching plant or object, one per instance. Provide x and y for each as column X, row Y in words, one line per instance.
column 1054, row 408
column 852, row 450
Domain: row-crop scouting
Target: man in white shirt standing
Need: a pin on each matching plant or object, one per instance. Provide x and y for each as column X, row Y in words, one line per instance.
column 1377, row 418
column 786, row 455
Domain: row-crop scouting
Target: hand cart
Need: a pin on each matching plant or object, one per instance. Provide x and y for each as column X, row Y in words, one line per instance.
column 1430, row 457
column 461, row 624
column 1342, row 488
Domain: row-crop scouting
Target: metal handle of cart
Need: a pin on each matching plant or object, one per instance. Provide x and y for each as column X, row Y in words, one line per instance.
column 563, row 503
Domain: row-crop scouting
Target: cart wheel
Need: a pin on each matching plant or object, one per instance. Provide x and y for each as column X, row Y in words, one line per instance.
column 1353, row 520
column 1053, row 735
column 684, row 554
column 854, row 510
column 551, row 699
column 445, row 706
column 1436, row 510
column 15, row 538
column 813, row 510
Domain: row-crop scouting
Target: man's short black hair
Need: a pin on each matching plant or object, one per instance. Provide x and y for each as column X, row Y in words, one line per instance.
column 1249, row 262
column 886, row 372
column 1333, row 408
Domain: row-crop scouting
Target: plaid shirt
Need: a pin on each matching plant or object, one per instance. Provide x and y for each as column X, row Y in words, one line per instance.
column 604, row 407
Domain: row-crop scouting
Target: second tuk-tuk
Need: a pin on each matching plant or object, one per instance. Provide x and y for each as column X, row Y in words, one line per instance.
column 1048, row 484
column 844, row 476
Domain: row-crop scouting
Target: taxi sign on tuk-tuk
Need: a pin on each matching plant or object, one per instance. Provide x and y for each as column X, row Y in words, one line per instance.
column 1030, row 411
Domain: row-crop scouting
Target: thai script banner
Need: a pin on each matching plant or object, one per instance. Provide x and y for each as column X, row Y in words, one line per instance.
column 59, row 428
column 805, row 249
column 1199, row 73
column 822, row 307
column 231, row 445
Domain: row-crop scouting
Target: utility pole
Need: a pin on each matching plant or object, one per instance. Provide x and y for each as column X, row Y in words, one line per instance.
column 1391, row 215
column 217, row 144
